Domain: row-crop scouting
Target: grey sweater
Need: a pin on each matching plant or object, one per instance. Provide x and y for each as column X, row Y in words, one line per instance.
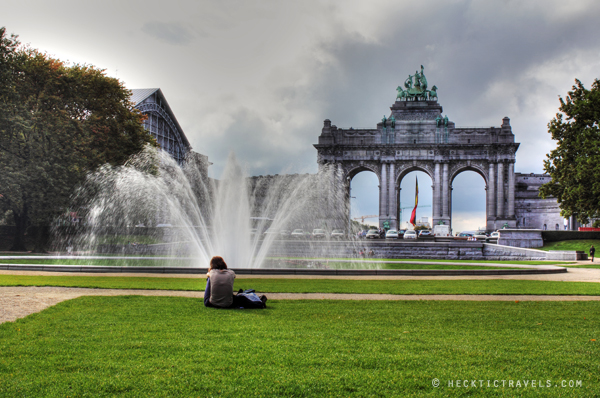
column 221, row 287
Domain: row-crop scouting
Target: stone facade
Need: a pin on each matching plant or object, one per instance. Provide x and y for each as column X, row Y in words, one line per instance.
column 531, row 211
column 420, row 139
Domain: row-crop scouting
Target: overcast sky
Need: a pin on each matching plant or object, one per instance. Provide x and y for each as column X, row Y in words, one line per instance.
column 259, row 77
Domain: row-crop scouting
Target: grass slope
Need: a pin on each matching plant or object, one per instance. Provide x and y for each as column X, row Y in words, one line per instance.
column 166, row 347
column 577, row 244
column 493, row 286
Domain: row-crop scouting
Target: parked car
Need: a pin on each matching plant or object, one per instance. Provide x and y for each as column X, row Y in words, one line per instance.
column 480, row 235
column 319, row 234
column 271, row 231
column 410, row 234
column 338, row 234
column 391, row 234
column 465, row 235
column 424, row 232
column 372, row 234
column 495, row 235
column 297, row 233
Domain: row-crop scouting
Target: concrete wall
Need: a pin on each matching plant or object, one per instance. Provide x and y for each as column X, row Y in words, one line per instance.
column 521, row 238
column 507, row 253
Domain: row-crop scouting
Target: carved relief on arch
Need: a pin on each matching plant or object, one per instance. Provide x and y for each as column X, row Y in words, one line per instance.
column 351, row 169
column 479, row 167
column 403, row 168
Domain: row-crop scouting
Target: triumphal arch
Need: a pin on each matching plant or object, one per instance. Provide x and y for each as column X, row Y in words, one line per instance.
column 416, row 136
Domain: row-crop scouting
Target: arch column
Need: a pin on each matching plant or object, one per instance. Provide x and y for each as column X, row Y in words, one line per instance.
column 500, row 194
column 445, row 195
column 437, row 199
column 383, row 196
column 392, row 198
column 511, row 190
column 491, row 197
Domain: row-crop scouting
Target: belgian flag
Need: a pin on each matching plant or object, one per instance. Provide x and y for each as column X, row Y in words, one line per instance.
column 413, row 215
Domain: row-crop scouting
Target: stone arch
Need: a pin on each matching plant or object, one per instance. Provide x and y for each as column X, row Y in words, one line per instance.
column 461, row 167
column 353, row 170
column 403, row 170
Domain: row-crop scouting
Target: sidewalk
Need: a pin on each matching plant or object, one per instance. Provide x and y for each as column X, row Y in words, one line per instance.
column 573, row 275
column 18, row 302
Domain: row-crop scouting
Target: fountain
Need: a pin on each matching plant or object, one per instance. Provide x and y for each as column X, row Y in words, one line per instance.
column 180, row 214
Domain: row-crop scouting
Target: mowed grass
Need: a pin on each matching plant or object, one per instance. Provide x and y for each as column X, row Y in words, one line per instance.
column 145, row 262
column 294, row 263
column 166, row 347
column 416, row 260
column 576, row 244
column 285, row 285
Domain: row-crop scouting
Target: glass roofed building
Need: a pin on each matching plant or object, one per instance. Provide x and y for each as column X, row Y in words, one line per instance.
column 161, row 122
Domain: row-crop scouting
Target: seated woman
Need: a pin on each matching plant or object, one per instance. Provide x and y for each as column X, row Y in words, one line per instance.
column 219, row 288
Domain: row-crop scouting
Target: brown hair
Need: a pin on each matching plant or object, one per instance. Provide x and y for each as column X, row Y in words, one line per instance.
column 217, row 263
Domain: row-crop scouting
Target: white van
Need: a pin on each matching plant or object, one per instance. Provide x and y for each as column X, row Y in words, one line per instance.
column 442, row 230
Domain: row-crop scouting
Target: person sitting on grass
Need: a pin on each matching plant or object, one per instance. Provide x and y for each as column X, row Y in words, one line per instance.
column 219, row 289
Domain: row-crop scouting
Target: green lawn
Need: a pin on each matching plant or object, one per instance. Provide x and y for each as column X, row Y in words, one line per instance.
column 274, row 285
column 149, row 262
column 126, row 239
column 272, row 263
column 170, row 347
column 595, row 264
column 194, row 263
column 579, row 244
column 415, row 260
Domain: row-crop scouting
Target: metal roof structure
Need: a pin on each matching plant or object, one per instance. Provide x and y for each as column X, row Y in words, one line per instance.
column 161, row 122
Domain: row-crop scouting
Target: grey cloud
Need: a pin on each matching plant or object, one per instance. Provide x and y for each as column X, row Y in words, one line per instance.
column 466, row 53
column 169, row 32
column 253, row 142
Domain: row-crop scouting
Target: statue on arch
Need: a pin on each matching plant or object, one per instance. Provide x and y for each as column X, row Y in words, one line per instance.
column 416, row 87
column 433, row 93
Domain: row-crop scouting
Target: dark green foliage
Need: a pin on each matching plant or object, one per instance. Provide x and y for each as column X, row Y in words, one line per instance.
column 57, row 122
column 575, row 164
column 174, row 347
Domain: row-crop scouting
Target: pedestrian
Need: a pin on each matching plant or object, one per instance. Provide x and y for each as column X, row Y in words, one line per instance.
column 592, row 252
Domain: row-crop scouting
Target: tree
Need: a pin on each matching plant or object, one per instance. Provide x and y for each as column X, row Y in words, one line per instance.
column 575, row 163
column 57, row 122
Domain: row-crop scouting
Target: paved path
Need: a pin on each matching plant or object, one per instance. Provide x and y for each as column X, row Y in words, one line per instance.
column 18, row 302
column 573, row 275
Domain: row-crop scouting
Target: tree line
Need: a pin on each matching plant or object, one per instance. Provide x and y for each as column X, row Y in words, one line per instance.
column 57, row 123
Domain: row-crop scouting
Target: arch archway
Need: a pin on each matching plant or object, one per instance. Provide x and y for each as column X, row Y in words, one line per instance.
column 363, row 196
column 406, row 184
column 468, row 200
